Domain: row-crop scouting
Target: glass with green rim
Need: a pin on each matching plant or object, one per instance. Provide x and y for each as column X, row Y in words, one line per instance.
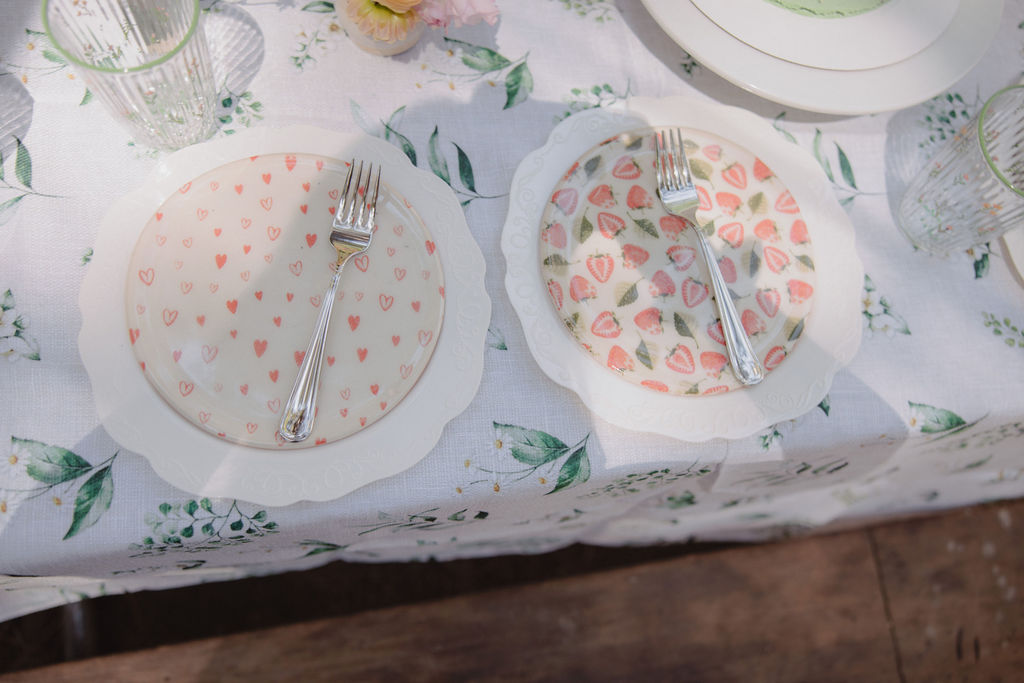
column 972, row 190
column 146, row 60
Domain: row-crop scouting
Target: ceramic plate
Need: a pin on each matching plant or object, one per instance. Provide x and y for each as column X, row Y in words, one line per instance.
column 224, row 288
column 186, row 452
column 888, row 32
column 627, row 278
column 832, row 329
column 903, row 84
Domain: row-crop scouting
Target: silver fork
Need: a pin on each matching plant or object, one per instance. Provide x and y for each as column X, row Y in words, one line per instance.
column 679, row 197
column 351, row 233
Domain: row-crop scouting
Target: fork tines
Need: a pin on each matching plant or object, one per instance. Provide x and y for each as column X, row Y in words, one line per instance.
column 358, row 204
column 673, row 168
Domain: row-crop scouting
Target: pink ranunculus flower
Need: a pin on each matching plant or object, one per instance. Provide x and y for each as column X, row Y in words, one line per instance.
column 457, row 12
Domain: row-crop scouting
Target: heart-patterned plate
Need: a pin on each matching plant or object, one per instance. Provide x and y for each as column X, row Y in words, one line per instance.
column 196, row 459
column 226, row 281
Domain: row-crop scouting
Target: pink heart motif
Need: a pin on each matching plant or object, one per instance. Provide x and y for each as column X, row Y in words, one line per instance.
column 267, row 203
column 147, row 276
column 425, row 336
column 185, row 388
column 209, row 353
column 385, row 301
column 405, row 370
column 362, row 262
column 296, row 268
column 204, row 416
column 274, row 405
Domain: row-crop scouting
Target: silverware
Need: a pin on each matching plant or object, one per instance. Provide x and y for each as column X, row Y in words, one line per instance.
column 351, row 233
column 679, row 197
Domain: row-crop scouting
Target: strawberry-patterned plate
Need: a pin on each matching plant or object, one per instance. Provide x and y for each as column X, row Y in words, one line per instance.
column 786, row 206
column 240, row 307
column 627, row 278
column 224, row 287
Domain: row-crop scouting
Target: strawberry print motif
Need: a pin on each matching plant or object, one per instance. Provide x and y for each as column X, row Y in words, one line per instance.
column 799, row 291
column 735, row 175
column 618, row 300
column 566, row 200
column 798, row 232
column 626, row 168
column 732, row 233
column 775, row 259
column 752, row 323
column 605, row 325
column 619, row 360
column 672, row 226
column 728, row 202
column 786, row 204
column 681, row 257
column 601, row 266
column 761, row 171
column 555, row 292
column 554, row 234
column 634, row 256
column 601, row 196
column 638, row 198
column 610, row 225
column 774, row 356
column 662, row 285
column 767, row 231
column 713, row 362
column 649, row 320
column 681, row 360
column 581, row 289
column 228, row 287
column 728, row 269
column 768, row 300
column 693, row 292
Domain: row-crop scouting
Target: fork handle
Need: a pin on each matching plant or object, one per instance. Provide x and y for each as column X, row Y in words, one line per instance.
column 745, row 365
column 300, row 409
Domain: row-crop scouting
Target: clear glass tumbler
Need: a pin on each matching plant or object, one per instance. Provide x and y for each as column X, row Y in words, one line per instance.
column 972, row 190
column 146, row 60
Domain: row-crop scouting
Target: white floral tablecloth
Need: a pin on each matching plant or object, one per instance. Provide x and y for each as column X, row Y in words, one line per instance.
column 929, row 415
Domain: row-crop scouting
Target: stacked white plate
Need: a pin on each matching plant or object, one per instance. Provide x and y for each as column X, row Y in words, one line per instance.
column 834, row 56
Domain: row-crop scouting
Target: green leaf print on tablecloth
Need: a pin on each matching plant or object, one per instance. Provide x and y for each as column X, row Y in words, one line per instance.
column 598, row 10
column 938, row 421
column 879, row 315
column 1012, row 335
column 15, row 341
column 465, row 188
column 640, row 482
column 486, row 62
column 427, row 520
column 581, row 99
column 54, row 470
column 197, row 526
column 47, row 60
column 540, row 452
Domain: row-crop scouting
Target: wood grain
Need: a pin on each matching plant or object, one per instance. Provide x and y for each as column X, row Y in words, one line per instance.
column 955, row 590
column 805, row 610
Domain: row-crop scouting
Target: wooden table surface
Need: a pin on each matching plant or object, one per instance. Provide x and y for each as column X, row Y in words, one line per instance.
column 929, row 599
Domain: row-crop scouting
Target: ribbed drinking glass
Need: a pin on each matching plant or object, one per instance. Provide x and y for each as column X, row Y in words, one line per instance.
column 146, row 60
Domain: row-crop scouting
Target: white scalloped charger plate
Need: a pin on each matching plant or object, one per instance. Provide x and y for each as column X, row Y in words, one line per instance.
column 136, row 417
column 864, row 91
column 887, row 34
column 833, row 328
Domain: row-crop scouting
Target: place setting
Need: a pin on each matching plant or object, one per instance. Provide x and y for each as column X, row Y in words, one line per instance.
column 222, row 261
column 615, row 292
column 835, row 56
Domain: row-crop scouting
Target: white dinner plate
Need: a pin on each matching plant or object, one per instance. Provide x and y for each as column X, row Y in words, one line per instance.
column 832, row 329
column 198, row 461
column 867, row 91
column 886, row 34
